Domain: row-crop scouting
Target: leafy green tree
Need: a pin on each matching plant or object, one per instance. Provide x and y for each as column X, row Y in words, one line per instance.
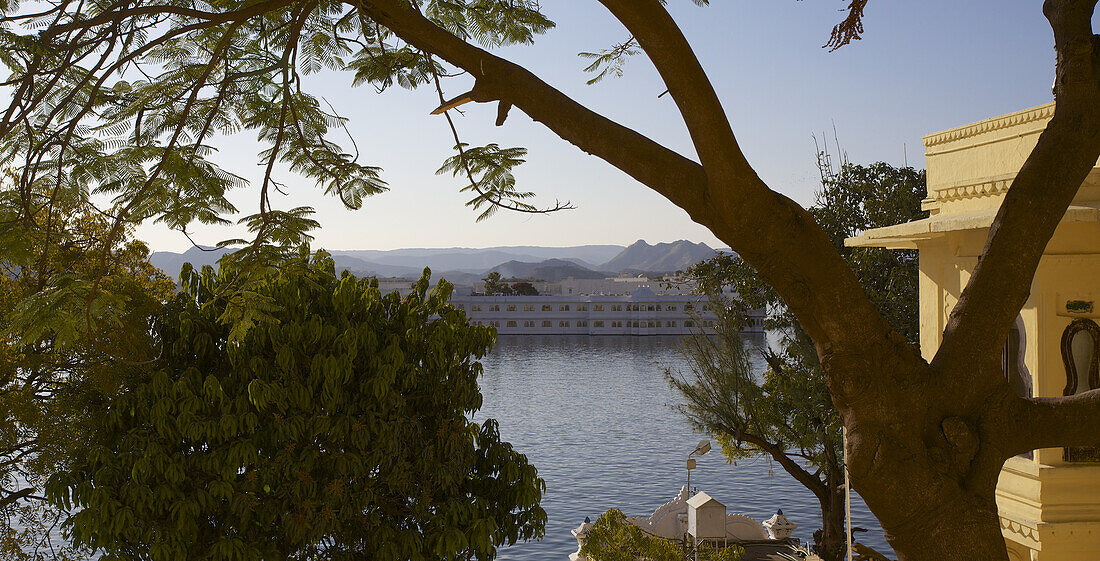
column 85, row 330
column 495, row 286
column 117, row 103
column 785, row 412
column 338, row 429
column 855, row 198
column 524, row 289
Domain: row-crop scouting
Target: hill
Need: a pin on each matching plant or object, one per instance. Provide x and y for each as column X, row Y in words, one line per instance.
column 551, row 270
column 170, row 263
column 660, row 258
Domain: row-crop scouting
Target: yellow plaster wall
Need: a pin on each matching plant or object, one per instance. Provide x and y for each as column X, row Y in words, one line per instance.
column 983, row 150
column 970, row 167
column 1050, row 510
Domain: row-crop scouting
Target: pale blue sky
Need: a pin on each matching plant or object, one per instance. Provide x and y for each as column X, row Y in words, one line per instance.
column 921, row 67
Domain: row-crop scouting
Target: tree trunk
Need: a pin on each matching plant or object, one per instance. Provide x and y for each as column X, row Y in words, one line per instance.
column 926, row 460
column 962, row 532
column 832, row 541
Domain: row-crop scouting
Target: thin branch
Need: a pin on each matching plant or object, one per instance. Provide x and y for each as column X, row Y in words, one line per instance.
column 495, row 201
column 667, row 172
column 116, row 16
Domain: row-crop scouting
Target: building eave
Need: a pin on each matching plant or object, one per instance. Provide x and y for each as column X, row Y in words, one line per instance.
column 909, row 234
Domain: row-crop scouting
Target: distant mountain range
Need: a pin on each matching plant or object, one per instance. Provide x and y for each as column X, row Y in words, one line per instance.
column 481, row 260
column 171, row 263
column 465, row 266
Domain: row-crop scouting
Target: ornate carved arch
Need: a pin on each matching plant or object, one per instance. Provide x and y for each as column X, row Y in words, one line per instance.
column 1072, row 376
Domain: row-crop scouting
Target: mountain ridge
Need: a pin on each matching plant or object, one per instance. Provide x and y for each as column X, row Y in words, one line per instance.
column 467, row 265
column 665, row 257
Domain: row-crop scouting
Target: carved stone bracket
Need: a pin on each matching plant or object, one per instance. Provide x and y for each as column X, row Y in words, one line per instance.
column 982, row 189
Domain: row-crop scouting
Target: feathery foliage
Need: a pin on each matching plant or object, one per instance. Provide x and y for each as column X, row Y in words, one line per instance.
column 490, row 171
column 121, row 104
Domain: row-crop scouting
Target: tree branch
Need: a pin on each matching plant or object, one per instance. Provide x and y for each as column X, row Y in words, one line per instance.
column 807, row 479
column 810, row 275
column 24, row 493
column 689, row 86
column 788, row 248
column 115, row 16
column 1050, row 422
column 670, row 174
column 1034, row 205
column 821, row 290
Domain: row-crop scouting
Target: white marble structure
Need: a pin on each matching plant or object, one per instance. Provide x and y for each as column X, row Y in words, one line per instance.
column 706, row 517
column 779, row 527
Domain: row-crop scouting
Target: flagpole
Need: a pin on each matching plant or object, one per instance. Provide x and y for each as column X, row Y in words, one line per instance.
column 847, row 495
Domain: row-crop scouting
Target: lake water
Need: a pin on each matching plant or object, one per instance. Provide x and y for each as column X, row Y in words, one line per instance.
column 595, row 416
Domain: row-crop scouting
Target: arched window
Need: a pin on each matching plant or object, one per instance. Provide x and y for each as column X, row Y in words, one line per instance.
column 1012, row 364
column 1012, row 360
column 1081, row 358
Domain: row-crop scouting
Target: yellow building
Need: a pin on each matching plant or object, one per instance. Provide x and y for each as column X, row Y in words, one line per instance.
column 1049, row 500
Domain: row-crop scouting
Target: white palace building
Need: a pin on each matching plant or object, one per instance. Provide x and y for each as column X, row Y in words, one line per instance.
column 641, row 312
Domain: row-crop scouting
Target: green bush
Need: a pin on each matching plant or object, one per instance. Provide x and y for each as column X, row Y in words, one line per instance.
column 334, row 428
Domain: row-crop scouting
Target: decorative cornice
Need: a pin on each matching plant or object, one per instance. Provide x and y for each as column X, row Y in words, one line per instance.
column 1019, row 529
column 1042, row 112
column 983, row 189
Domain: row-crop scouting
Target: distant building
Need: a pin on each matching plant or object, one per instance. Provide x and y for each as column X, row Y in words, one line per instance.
column 620, row 285
column 643, row 312
column 402, row 286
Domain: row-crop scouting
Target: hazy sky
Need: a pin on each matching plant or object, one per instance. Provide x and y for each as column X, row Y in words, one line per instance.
column 921, row 67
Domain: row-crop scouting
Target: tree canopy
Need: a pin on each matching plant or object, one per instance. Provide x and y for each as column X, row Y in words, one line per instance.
column 495, row 286
column 524, row 288
column 338, row 429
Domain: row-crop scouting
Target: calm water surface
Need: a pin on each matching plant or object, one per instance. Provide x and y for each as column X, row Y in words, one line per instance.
column 594, row 415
